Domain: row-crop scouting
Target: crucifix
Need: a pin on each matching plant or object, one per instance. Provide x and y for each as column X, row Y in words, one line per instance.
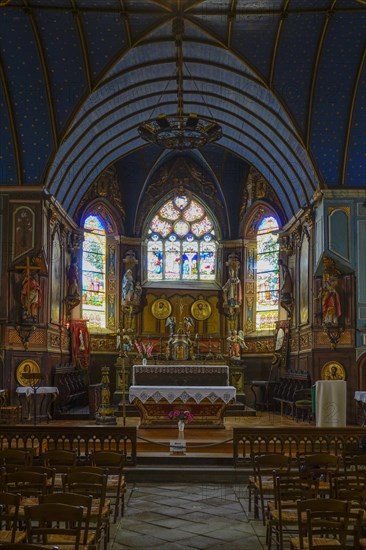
column 28, row 268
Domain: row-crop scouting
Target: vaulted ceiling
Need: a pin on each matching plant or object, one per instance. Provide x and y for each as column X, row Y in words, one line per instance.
column 284, row 78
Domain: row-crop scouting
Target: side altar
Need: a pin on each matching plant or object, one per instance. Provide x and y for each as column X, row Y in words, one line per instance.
column 201, row 389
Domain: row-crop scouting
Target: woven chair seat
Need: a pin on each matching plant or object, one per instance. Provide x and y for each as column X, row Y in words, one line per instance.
column 295, row 542
column 288, row 516
column 5, row 536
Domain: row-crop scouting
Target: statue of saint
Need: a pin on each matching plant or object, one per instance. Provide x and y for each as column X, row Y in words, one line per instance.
column 73, row 285
column 232, row 295
column 188, row 325
column 171, row 322
column 128, row 286
column 331, row 305
column 30, row 297
column 236, row 343
column 286, row 288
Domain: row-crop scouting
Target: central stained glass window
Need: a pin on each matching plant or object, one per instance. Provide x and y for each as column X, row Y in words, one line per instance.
column 181, row 242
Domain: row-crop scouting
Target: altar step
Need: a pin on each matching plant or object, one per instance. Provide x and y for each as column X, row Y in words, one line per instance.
column 182, row 472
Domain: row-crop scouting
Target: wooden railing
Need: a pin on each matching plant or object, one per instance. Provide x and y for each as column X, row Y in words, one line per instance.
column 290, row 441
column 82, row 439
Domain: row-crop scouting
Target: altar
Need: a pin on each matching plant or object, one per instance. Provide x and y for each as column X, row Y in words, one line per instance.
column 206, row 403
column 201, row 389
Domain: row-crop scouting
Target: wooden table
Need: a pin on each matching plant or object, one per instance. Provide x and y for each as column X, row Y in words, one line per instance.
column 31, row 393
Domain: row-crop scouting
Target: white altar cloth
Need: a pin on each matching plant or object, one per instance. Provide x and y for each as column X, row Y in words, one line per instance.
column 226, row 394
column 42, row 390
column 360, row 396
column 331, row 403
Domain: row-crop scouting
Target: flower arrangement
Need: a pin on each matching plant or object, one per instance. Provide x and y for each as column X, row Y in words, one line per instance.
column 144, row 350
column 185, row 416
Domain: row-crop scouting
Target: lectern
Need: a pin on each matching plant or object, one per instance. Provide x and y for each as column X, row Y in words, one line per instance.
column 34, row 379
column 331, row 403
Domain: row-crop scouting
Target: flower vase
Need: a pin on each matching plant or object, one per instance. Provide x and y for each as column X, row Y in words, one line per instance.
column 181, row 425
column 144, row 361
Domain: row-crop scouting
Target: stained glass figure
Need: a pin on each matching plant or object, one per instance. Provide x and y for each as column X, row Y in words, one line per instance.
column 181, row 242
column 155, row 260
column 267, row 275
column 189, row 260
column 207, row 261
column 93, row 273
column 172, row 261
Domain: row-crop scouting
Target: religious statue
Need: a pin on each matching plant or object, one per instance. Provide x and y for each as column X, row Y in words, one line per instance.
column 128, row 286
column 171, row 322
column 73, row 285
column 236, row 343
column 188, row 325
column 137, row 292
column 81, row 341
column 331, row 305
column 30, row 297
column 286, row 288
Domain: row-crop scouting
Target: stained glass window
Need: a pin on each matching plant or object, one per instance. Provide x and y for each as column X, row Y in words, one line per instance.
column 267, row 274
column 182, row 244
column 93, row 272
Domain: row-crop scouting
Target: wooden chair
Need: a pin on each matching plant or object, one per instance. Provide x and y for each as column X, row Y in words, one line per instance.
column 9, row 517
column 262, row 487
column 56, row 524
column 319, row 466
column 303, row 404
column 29, row 485
column 89, row 538
column 13, row 459
column 322, row 522
column 350, row 486
column 50, row 474
column 112, row 462
column 95, row 484
column 289, row 487
column 61, row 461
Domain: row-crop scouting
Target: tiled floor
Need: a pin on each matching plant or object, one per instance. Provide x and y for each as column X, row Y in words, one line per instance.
column 179, row 516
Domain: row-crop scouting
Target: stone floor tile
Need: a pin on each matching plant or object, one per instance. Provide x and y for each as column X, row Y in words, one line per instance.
column 182, row 516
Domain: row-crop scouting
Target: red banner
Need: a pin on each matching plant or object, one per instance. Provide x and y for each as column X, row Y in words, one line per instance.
column 80, row 343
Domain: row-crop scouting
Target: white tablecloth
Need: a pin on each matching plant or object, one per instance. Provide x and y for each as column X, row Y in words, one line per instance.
column 42, row 390
column 331, row 403
column 360, row 396
column 183, row 393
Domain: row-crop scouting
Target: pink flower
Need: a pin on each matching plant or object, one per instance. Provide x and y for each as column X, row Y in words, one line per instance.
column 177, row 414
column 144, row 350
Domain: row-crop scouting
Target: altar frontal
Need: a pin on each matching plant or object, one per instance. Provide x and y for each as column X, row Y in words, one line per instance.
column 206, row 403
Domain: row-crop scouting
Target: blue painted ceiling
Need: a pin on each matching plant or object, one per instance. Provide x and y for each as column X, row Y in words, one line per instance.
column 284, row 78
